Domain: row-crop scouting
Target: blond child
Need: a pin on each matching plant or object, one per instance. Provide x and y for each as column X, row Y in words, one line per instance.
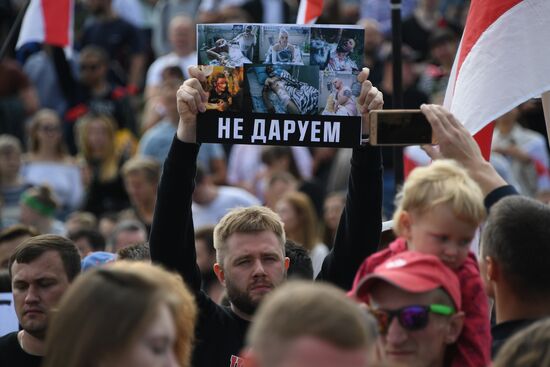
column 438, row 212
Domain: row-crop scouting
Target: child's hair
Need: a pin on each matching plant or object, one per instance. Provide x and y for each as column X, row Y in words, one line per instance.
column 442, row 182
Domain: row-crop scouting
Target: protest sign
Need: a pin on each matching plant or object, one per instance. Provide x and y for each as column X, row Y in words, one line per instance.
column 280, row 84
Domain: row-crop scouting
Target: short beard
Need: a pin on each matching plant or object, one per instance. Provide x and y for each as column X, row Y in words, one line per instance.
column 241, row 300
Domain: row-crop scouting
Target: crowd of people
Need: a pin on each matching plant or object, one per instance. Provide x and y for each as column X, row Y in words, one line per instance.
column 125, row 242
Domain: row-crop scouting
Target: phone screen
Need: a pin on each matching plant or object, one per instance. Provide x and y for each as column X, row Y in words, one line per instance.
column 405, row 128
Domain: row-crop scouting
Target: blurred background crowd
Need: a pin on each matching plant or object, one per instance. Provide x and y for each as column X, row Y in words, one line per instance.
column 84, row 133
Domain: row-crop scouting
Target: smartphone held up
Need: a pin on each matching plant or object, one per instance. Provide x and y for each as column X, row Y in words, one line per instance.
column 399, row 127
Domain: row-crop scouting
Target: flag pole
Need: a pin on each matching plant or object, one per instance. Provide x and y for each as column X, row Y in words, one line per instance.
column 397, row 82
column 13, row 29
column 546, row 108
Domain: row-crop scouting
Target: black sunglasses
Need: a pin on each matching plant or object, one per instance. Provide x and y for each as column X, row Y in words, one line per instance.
column 411, row 318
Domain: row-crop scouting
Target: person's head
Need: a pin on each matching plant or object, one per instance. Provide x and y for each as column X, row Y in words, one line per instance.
column 41, row 269
column 278, row 185
column 151, row 319
column 305, row 324
column 373, row 37
column 87, row 240
column 250, row 255
column 280, row 159
column 80, row 220
column 337, row 82
column 508, row 120
column 438, row 211
column 298, row 214
column 10, row 156
column 220, row 82
column 141, row 176
column 127, row 233
column 346, row 46
column 45, row 129
column 205, row 188
column 443, row 45
column 139, row 252
column 526, row 348
column 204, row 246
column 107, row 223
column 300, row 263
column 248, row 29
column 10, row 238
column 172, row 79
column 37, row 204
column 416, row 300
column 181, row 33
column 283, row 37
column 93, row 65
column 96, row 136
column 504, row 264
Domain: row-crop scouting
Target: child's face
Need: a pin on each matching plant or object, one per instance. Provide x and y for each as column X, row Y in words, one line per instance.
column 439, row 232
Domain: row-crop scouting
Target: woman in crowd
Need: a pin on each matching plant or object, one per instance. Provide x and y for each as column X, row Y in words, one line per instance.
column 48, row 162
column 302, row 226
column 332, row 210
column 101, row 155
column 38, row 206
column 151, row 319
column 12, row 184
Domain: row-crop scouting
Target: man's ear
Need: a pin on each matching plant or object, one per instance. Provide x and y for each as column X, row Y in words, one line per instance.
column 287, row 263
column 455, row 325
column 493, row 269
column 220, row 274
column 250, row 358
column 404, row 224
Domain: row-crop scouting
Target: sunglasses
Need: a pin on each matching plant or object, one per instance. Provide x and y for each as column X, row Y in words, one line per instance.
column 411, row 318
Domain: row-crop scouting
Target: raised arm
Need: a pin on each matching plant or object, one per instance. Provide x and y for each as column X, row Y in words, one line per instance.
column 172, row 239
column 455, row 142
column 358, row 233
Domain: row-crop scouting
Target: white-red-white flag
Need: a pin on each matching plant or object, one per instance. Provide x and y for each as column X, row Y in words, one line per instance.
column 48, row 21
column 309, row 11
column 503, row 60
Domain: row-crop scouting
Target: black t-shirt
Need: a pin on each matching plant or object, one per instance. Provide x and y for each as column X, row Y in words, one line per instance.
column 11, row 354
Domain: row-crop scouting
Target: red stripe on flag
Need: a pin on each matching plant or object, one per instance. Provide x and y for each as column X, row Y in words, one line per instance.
column 314, row 9
column 481, row 15
column 484, row 138
column 57, row 19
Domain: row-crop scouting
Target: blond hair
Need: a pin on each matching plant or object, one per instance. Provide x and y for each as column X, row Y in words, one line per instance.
column 253, row 219
column 307, row 234
column 130, row 293
column 305, row 309
column 442, row 182
column 148, row 166
column 37, row 119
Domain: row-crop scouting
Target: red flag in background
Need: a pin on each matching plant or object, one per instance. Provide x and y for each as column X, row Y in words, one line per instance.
column 48, row 21
column 309, row 11
column 503, row 60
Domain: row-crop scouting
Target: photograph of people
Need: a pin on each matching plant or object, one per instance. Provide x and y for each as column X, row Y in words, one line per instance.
column 340, row 59
column 284, row 45
column 336, row 49
column 338, row 96
column 284, row 89
column 223, row 85
column 226, row 45
column 246, row 41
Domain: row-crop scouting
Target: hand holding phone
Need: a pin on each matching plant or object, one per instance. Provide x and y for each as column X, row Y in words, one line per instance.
column 399, row 127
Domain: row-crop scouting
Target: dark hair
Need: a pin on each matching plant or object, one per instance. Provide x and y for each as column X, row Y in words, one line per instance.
column 206, row 234
column 15, row 231
column 516, row 235
column 272, row 153
column 34, row 247
column 139, row 252
column 172, row 72
column 94, row 237
column 300, row 263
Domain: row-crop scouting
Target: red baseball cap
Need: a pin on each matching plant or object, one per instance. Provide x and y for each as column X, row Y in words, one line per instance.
column 413, row 272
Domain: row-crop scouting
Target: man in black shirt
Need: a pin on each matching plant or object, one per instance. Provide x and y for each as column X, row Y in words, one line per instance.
column 41, row 270
column 250, row 255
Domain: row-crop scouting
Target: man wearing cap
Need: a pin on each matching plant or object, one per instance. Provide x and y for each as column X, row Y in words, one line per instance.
column 416, row 300
column 41, row 270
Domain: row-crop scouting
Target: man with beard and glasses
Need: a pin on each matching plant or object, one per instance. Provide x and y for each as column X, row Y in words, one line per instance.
column 41, row 270
column 249, row 242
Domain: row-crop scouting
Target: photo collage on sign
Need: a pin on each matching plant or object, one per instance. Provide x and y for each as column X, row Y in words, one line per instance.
column 281, row 69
